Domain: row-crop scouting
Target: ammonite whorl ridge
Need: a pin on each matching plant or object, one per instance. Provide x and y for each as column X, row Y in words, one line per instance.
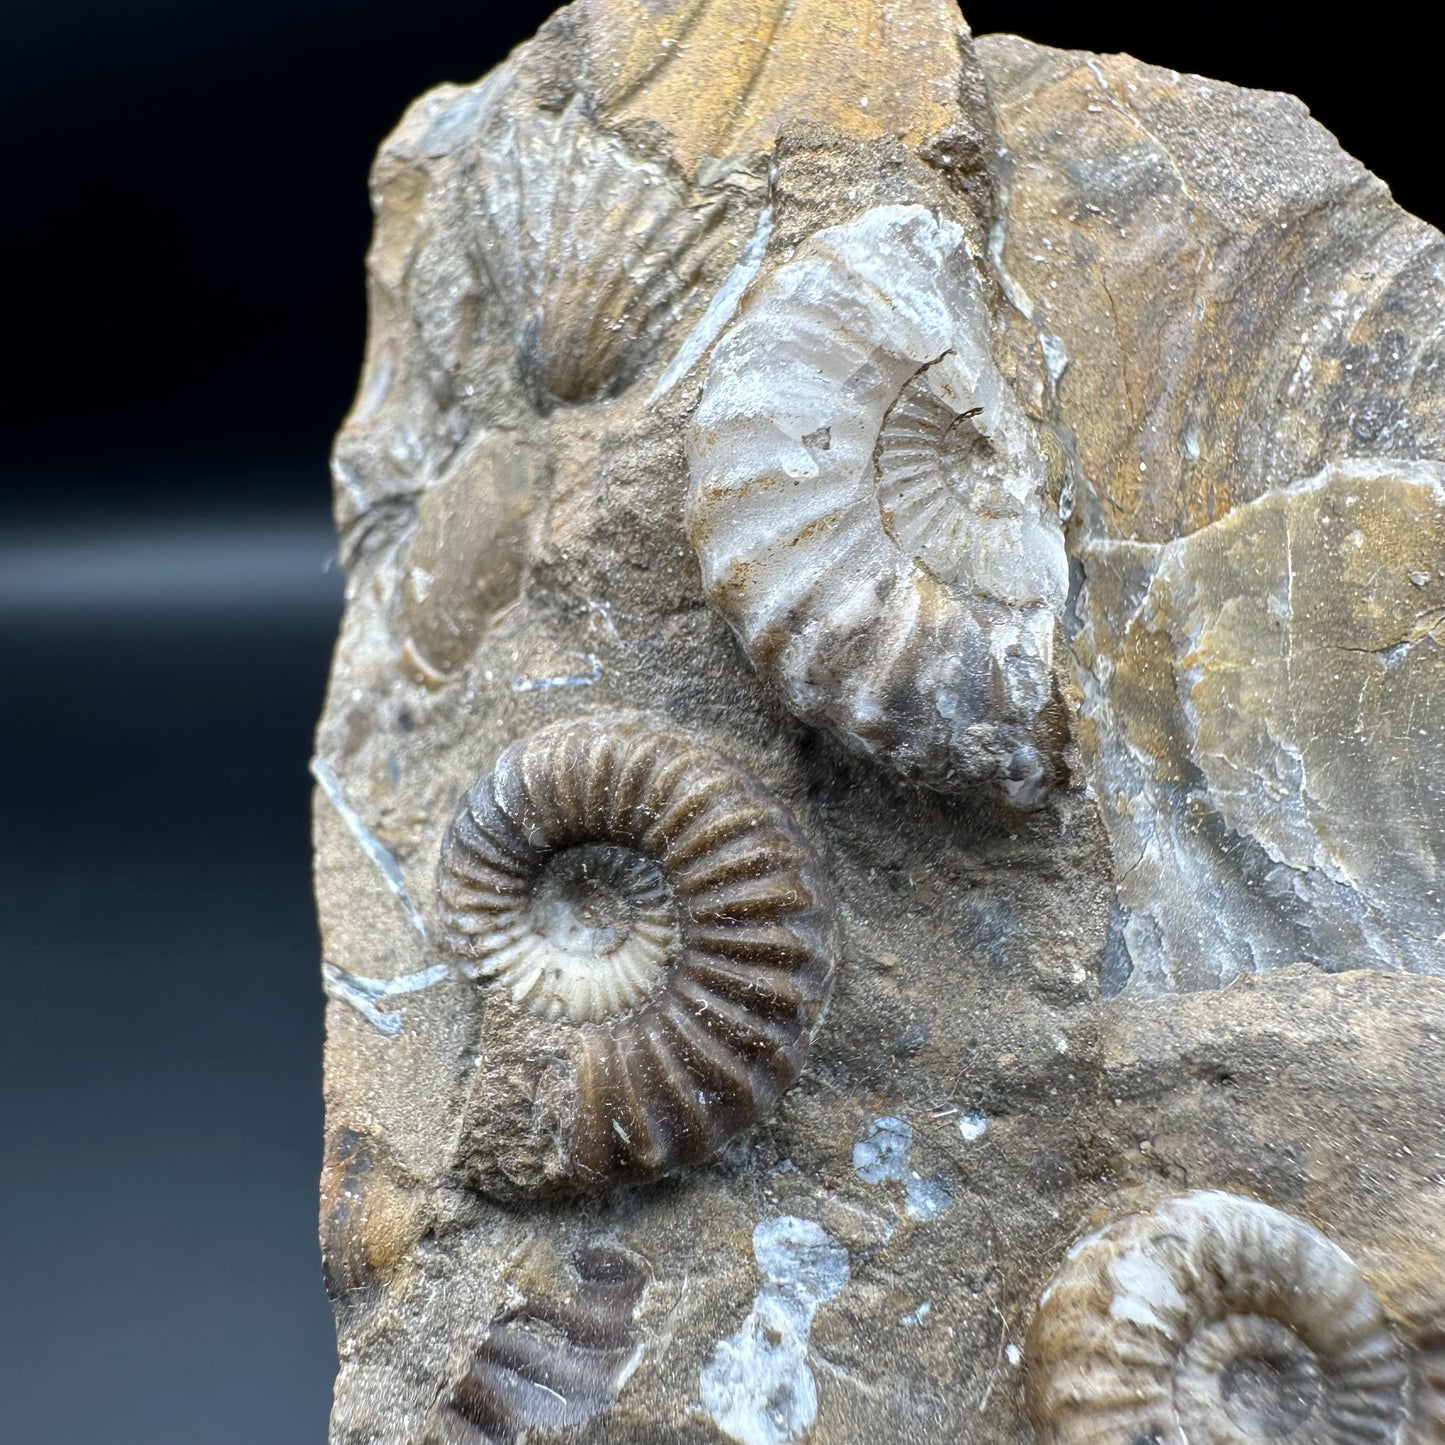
column 1212, row 1320
column 867, row 506
column 660, row 935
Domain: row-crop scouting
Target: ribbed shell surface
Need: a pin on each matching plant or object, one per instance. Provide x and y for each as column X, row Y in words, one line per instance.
column 1212, row 1320
column 553, row 1362
column 867, row 505
column 713, row 1018
column 589, row 246
column 1425, row 1424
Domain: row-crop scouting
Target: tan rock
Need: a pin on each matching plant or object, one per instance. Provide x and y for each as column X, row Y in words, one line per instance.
column 1233, row 301
column 723, row 77
column 1255, row 630
column 1242, row 337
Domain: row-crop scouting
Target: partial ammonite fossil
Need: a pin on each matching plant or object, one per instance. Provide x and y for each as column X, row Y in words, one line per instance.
column 1212, row 1320
column 1425, row 1419
column 659, row 932
column 588, row 245
column 867, row 503
column 555, row 1360
column 368, row 1221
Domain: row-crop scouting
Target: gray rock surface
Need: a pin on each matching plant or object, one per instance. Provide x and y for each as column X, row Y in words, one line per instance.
column 1243, row 346
column 1224, row 335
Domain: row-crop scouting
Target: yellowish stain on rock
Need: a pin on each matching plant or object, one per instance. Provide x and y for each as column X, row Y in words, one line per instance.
column 723, row 76
column 1231, row 324
column 1273, row 683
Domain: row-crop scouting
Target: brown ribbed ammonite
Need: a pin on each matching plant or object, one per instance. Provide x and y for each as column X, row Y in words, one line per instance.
column 658, row 932
column 554, row 1359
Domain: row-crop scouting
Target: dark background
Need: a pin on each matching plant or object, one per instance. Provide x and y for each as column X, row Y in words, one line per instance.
column 183, row 220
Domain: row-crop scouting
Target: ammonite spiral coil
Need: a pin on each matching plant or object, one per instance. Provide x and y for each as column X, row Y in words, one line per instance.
column 1212, row 1320
column 659, row 934
column 867, row 504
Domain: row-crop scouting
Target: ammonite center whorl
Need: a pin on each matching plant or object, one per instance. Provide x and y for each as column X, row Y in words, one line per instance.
column 940, row 471
column 660, row 935
column 1212, row 1320
column 591, row 939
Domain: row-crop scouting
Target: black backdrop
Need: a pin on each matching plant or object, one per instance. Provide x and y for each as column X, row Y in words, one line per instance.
column 183, row 221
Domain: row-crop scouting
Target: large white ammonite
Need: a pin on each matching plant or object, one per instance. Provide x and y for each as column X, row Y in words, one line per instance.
column 867, row 503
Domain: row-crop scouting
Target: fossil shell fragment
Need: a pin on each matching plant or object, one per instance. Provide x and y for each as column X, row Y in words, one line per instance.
column 368, row 1223
column 589, row 247
column 1212, row 1320
column 465, row 562
column 661, row 932
column 553, row 1361
column 867, row 506
column 1425, row 1422
column 1247, row 358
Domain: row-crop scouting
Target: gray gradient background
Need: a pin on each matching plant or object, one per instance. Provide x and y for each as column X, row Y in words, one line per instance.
column 183, row 224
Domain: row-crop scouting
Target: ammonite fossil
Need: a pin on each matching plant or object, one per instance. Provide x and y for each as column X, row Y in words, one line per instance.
column 659, row 934
column 588, row 245
column 368, row 1222
column 1425, row 1419
column 1212, row 1320
column 867, row 506
column 553, row 1361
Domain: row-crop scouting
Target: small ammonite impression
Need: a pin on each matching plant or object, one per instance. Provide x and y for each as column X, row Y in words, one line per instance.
column 867, row 504
column 658, row 935
column 553, row 1361
column 1212, row 1320
column 591, row 248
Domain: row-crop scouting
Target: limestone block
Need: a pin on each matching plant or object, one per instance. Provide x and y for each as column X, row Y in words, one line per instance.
column 885, row 730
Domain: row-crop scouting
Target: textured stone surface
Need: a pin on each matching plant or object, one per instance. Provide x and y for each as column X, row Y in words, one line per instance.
column 1265, row 695
column 723, row 78
column 1243, row 346
column 1222, row 331
column 1235, row 301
